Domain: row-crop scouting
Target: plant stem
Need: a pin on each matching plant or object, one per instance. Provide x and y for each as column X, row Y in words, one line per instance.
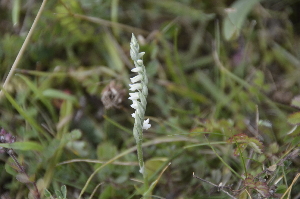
column 19, row 56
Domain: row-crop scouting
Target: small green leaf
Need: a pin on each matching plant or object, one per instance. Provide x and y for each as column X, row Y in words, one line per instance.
column 294, row 118
column 64, row 191
column 47, row 194
column 75, row 134
column 23, row 178
column 249, row 182
column 255, row 144
column 24, row 146
column 262, row 188
column 235, row 18
column 296, row 101
column 58, row 194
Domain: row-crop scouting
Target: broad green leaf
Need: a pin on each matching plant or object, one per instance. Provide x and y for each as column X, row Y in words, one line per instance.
column 24, row 146
column 235, row 18
column 294, row 118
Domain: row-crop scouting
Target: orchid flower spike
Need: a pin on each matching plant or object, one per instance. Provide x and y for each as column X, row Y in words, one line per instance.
column 138, row 97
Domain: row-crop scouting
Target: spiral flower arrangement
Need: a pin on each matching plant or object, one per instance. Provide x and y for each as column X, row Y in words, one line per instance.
column 138, row 97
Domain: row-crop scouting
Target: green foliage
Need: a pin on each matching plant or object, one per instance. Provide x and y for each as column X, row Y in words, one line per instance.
column 295, row 117
column 236, row 16
column 60, row 194
column 242, row 141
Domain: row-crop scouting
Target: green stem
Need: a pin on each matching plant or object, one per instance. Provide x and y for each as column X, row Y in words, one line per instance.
column 18, row 58
column 149, row 143
column 231, row 169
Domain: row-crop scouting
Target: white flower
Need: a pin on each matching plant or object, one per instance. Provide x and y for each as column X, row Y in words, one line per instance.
column 139, row 102
column 134, row 96
column 141, row 54
column 136, row 78
column 139, row 62
column 134, row 104
column 146, row 124
column 137, row 86
column 137, row 69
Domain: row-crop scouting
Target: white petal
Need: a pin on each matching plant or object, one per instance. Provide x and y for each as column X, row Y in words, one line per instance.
column 139, row 62
column 136, row 69
column 136, row 78
column 134, row 87
column 134, row 104
column 142, row 170
column 133, row 115
column 146, row 124
column 141, row 54
column 134, row 96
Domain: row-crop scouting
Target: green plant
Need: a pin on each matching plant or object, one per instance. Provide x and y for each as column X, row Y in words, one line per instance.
column 139, row 101
column 60, row 194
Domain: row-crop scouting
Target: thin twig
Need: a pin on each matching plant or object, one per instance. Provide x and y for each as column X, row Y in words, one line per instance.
column 219, row 187
column 11, row 153
column 18, row 58
column 96, row 189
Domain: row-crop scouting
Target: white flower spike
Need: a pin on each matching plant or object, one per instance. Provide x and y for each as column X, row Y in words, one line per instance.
column 139, row 102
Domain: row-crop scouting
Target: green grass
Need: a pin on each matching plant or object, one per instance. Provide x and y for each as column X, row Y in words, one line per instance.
column 221, row 83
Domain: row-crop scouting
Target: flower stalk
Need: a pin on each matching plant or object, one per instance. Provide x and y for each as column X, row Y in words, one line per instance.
column 138, row 97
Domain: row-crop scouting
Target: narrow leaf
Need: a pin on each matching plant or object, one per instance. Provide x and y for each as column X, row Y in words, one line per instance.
column 24, row 146
column 23, row 112
column 64, row 191
column 53, row 93
column 16, row 12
